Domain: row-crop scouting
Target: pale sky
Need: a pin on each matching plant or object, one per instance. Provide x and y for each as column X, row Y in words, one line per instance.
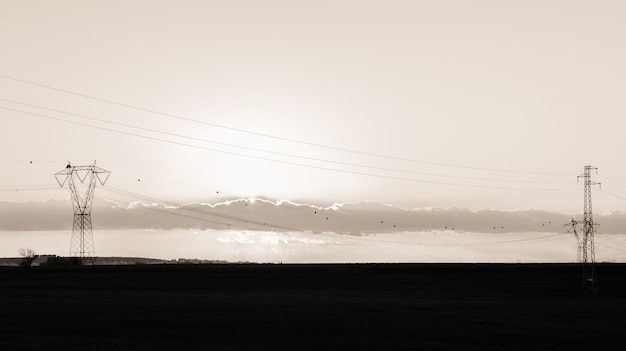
column 533, row 88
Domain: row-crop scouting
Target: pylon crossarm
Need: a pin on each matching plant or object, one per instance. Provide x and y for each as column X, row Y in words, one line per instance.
column 62, row 177
column 102, row 175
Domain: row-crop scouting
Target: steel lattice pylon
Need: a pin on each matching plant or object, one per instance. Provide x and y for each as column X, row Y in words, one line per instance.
column 579, row 240
column 587, row 253
column 82, row 183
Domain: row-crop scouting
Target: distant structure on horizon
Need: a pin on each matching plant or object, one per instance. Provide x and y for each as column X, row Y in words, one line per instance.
column 82, row 183
column 586, row 253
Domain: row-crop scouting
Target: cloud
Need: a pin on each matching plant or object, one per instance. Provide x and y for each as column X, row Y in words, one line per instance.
column 286, row 216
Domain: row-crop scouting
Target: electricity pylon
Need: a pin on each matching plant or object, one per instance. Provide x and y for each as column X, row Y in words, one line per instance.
column 82, row 184
column 587, row 255
column 579, row 242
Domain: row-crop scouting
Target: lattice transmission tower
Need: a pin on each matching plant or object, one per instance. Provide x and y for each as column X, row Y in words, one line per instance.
column 579, row 239
column 82, row 183
column 587, row 253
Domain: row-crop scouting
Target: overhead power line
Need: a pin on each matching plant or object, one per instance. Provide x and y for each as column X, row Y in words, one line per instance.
column 275, row 160
column 612, row 181
column 274, row 152
column 612, row 194
column 291, row 140
column 156, row 209
column 149, row 175
column 470, row 244
column 21, row 189
column 239, row 219
column 27, row 185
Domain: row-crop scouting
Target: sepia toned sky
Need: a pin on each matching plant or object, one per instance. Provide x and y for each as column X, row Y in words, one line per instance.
column 478, row 104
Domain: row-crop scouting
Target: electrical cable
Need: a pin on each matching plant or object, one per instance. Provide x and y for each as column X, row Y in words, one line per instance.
column 26, row 185
column 130, row 170
column 268, row 135
column 275, row 152
column 612, row 181
column 7, row 190
column 156, row 209
column 614, row 195
column 183, row 207
column 274, row 160
column 543, row 237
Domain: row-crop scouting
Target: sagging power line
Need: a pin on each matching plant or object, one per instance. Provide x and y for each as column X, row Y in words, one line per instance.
column 238, row 220
column 280, row 161
column 291, row 140
column 204, row 140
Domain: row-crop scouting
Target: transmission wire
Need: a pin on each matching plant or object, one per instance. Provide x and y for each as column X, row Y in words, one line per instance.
column 268, row 135
column 274, row 152
column 274, row 160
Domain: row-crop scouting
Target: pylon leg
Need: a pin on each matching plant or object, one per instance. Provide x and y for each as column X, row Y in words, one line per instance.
column 82, row 245
column 589, row 279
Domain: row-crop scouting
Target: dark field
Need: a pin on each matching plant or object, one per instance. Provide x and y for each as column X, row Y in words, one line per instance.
column 342, row 307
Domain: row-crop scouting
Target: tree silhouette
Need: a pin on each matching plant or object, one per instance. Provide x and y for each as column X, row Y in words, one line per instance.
column 28, row 256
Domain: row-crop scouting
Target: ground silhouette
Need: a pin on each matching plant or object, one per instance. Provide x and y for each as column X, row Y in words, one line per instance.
column 326, row 306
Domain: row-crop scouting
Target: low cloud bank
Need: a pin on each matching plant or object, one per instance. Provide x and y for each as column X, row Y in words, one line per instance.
column 262, row 214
